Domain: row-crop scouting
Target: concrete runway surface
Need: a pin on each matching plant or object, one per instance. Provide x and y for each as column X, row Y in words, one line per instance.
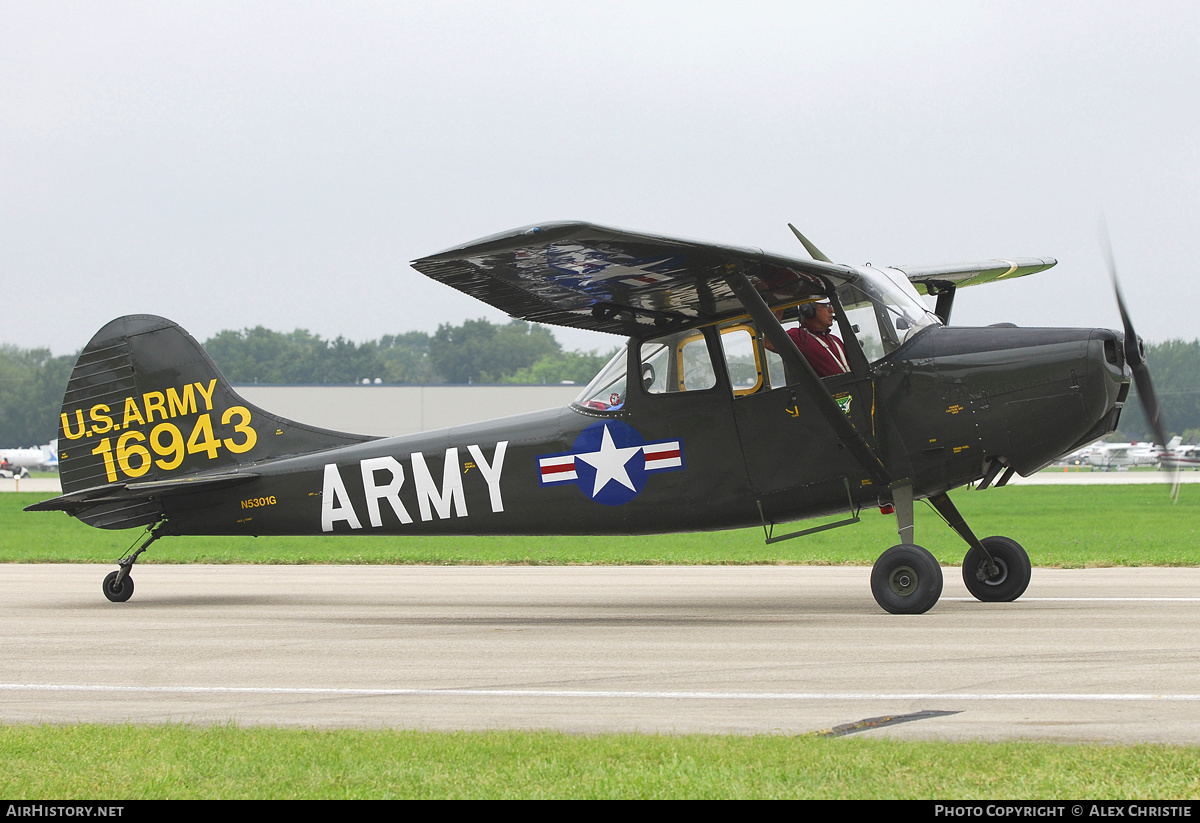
column 1097, row 654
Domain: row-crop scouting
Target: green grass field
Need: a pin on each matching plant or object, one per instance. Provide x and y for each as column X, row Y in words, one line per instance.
column 1059, row 526
column 136, row 762
column 1066, row 526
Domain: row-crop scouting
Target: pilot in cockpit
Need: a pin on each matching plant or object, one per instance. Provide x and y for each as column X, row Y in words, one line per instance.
column 822, row 349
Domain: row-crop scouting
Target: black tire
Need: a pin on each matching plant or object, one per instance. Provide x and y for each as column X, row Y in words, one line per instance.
column 118, row 595
column 1013, row 563
column 906, row 579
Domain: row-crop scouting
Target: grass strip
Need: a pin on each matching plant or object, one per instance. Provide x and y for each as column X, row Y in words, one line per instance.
column 182, row 762
column 1068, row 527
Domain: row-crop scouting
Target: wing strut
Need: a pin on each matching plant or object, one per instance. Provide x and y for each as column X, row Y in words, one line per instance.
column 795, row 362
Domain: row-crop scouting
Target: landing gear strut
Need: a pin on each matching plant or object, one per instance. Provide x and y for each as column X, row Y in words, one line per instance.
column 996, row 569
column 118, row 585
column 906, row 578
column 1011, row 575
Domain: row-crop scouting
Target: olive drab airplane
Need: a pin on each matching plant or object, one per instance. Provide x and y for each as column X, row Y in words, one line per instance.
column 695, row 425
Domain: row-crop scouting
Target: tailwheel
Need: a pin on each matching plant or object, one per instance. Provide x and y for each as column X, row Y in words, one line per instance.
column 118, row 592
column 1007, row 581
column 118, row 586
column 906, row 579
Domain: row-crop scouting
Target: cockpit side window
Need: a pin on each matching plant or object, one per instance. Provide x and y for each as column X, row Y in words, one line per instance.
column 676, row 363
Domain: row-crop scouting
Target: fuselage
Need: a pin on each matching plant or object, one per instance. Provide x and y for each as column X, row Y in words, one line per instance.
column 936, row 410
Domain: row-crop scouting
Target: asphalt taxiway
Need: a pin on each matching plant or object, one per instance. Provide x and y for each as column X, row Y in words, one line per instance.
column 1095, row 654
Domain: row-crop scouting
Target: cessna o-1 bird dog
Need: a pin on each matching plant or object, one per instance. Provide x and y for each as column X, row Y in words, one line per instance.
column 698, row 424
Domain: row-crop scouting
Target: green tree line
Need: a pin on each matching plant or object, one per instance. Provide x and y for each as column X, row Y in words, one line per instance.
column 477, row 351
column 32, row 382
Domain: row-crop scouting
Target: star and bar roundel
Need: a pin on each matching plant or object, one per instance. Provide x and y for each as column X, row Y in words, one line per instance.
column 610, row 462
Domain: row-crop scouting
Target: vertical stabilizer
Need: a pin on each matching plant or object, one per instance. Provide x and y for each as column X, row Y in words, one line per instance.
column 144, row 405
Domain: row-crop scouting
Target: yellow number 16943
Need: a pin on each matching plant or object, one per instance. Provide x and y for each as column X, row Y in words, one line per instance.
column 167, row 442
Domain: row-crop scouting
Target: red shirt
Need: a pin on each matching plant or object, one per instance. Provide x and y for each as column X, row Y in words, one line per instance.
column 824, row 352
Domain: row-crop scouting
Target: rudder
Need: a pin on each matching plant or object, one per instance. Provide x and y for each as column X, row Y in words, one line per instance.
column 146, row 403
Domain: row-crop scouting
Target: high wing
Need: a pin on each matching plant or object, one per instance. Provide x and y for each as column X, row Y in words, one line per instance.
column 623, row 282
column 972, row 274
column 611, row 280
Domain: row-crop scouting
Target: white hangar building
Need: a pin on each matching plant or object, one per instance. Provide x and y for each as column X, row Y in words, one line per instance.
column 396, row 410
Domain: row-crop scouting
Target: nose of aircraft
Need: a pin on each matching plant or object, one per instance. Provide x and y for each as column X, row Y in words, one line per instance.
column 1033, row 394
column 1074, row 395
column 1109, row 386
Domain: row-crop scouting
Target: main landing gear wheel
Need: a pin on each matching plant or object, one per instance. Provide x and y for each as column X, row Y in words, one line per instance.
column 115, row 593
column 906, row 579
column 1013, row 571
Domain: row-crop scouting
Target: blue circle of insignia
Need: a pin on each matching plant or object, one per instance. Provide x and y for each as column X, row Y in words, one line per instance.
column 616, row 461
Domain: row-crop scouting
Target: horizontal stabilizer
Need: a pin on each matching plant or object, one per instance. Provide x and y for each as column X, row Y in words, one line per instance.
column 141, row 491
column 127, row 505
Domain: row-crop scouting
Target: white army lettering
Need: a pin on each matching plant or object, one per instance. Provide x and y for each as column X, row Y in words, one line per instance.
column 383, row 478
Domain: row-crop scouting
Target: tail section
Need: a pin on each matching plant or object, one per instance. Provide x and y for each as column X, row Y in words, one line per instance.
column 147, row 414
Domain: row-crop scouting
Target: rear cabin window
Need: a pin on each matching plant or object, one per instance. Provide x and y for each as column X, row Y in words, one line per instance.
column 681, row 362
column 606, row 392
column 674, row 363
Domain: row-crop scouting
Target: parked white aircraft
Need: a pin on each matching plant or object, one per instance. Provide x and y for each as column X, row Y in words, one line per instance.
column 1109, row 456
column 20, row 461
column 1179, row 456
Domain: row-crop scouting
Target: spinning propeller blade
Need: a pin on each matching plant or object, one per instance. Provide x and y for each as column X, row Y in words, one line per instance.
column 1135, row 356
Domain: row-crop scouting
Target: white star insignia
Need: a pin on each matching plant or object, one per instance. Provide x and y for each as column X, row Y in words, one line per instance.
column 610, row 463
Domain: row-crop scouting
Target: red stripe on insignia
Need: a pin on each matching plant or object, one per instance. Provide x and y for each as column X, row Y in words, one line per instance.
column 558, row 468
column 661, row 451
column 661, row 456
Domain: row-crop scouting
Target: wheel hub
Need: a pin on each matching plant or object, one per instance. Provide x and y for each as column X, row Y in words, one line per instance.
column 903, row 581
column 1000, row 576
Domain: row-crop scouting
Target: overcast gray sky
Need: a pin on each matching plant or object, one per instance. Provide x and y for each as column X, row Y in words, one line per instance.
column 231, row 164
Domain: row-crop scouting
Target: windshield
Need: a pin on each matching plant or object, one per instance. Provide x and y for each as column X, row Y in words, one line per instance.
column 884, row 310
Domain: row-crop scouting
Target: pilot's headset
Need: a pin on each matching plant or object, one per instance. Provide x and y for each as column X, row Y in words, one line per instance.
column 809, row 310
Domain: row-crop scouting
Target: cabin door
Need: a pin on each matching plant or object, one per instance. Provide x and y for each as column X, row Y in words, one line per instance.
column 794, row 461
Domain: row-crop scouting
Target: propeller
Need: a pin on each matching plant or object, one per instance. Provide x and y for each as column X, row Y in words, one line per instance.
column 1135, row 356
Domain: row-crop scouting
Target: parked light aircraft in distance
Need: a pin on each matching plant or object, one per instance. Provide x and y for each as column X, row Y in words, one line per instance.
column 1109, row 456
column 20, row 461
column 1178, row 455
column 694, row 426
